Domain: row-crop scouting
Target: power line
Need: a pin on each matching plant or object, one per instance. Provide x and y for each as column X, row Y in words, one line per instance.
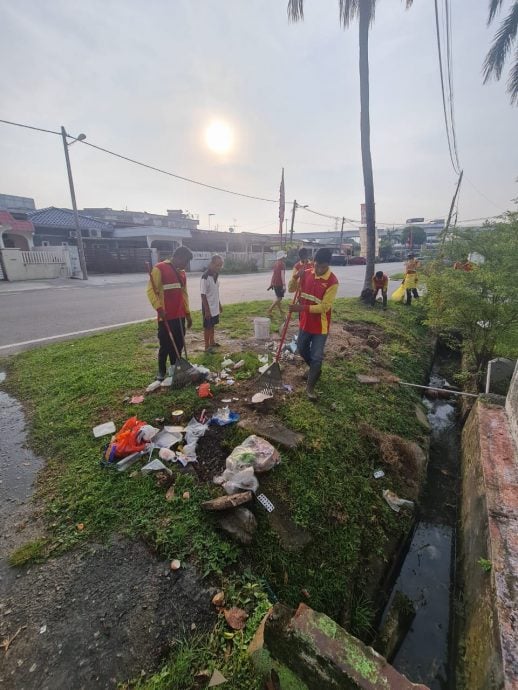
column 37, row 129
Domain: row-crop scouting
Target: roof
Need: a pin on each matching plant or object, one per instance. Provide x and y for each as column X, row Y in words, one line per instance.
column 64, row 218
column 20, row 225
column 153, row 231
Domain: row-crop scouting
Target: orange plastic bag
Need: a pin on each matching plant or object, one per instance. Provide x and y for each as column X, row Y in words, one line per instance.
column 204, row 390
column 124, row 442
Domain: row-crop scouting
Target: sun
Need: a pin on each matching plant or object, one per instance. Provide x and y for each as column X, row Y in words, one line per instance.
column 219, row 137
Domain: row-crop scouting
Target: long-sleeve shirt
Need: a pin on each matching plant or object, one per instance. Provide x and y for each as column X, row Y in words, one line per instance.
column 176, row 291
column 317, row 294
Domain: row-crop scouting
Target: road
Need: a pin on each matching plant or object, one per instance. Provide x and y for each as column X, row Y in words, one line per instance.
column 38, row 313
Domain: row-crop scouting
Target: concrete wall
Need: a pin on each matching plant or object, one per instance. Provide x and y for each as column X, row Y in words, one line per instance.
column 18, row 266
column 511, row 406
column 488, row 553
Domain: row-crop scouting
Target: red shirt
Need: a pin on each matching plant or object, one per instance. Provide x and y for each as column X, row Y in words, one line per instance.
column 173, row 286
column 278, row 273
column 380, row 283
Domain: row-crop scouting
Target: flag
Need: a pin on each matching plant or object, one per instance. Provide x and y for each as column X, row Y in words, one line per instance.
column 282, row 203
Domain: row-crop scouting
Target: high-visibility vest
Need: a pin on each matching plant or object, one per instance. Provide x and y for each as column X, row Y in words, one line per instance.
column 312, row 291
column 173, row 285
column 380, row 283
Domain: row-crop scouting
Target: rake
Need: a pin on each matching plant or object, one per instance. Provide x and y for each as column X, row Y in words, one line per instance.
column 271, row 379
column 183, row 372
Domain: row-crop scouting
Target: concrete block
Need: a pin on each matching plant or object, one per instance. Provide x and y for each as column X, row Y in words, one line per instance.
column 511, row 406
column 499, row 375
column 325, row 656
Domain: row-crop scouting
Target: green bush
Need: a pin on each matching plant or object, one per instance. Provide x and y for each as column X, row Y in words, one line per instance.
column 240, row 266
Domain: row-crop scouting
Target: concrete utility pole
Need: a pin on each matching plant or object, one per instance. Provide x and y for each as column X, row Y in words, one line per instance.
column 342, row 233
column 79, row 237
column 294, row 208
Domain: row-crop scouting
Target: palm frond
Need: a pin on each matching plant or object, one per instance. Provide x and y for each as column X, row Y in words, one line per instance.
column 494, row 6
column 512, row 82
column 506, row 34
column 409, row 4
column 348, row 11
column 296, row 10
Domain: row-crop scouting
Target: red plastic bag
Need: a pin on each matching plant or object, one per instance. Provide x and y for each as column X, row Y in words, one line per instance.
column 124, row 442
column 204, row 390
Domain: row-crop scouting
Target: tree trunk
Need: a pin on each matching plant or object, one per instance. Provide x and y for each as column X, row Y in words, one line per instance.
column 365, row 131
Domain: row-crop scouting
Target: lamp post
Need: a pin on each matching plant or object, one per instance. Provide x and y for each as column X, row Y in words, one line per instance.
column 210, row 216
column 79, row 238
column 295, row 207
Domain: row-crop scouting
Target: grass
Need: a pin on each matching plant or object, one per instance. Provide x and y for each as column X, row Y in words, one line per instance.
column 31, row 551
column 327, row 484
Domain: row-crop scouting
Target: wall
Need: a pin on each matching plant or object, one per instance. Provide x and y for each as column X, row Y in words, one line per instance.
column 20, row 265
column 511, row 405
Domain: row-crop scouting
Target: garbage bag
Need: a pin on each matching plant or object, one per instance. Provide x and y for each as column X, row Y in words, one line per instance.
column 245, row 480
column 254, row 452
column 194, row 430
column 399, row 294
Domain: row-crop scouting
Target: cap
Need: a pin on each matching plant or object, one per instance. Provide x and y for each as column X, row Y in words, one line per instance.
column 281, row 254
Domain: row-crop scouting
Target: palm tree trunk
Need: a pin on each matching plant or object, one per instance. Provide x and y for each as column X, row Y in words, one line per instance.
column 365, row 131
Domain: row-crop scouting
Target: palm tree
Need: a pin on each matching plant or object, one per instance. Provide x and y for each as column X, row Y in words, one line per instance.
column 502, row 44
column 364, row 11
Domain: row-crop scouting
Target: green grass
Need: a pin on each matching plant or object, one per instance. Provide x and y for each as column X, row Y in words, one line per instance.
column 70, row 387
column 30, row 551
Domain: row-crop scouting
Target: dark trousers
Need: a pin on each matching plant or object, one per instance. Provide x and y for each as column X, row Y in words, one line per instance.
column 166, row 348
column 383, row 294
column 409, row 293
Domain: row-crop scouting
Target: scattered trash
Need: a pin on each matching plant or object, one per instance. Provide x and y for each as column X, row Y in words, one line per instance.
column 174, row 429
column 254, row 452
column 3, row 376
column 159, row 420
column 167, row 454
column 155, row 466
column 227, row 363
column 235, row 481
column 227, row 502
column 169, row 494
column 378, row 474
column 218, row 599
column 236, row 618
column 204, row 390
column 103, row 429
column 230, row 382
column 258, row 398
column 264, row 359
column 262, row 369
column 126, row 441
column 137, row 399
column 80, row 527
column 194, row 431
column 175, row 564
column 177, row 415
column 224, row 416
column 239, row 365
column 43, row 629
column 189, row 453
column 395, row 502
column 216, row 679
column 186, row 495
column 288, row 387
column 265, row 502
column 155, row 385
column 306, row 593
column 226, row 400
column 362, row 378
column 129, row 460
column 164, row 439
column 146, row 433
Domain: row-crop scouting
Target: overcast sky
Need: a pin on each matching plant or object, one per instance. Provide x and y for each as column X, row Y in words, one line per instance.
column 145, row 79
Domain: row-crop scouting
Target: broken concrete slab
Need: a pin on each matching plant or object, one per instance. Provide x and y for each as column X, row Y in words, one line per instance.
column 499, row 374
column 325, row 656
column 363, row 378
column 270, row 429
column 227, row 502
column 240, row 524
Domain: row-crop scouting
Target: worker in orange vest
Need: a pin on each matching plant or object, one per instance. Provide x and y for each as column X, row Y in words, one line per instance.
column 317, row 288
column 379, row 282
column 167, row 293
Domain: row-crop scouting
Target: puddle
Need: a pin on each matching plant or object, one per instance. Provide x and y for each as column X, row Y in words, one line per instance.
column 18, row 469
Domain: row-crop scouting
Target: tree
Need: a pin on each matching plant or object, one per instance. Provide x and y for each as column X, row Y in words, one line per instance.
column 417, row 234
column 481, row 305
column 363, row 10
column 502, row 44
column 386, row 249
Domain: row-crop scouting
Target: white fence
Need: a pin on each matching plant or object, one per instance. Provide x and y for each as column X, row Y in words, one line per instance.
column 41, row 264
column 54, row 255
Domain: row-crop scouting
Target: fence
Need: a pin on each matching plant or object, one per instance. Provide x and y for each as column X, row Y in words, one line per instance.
column 44, row 256
column 33, row 265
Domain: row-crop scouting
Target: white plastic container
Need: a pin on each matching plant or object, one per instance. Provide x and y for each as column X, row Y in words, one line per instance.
column 262, row 328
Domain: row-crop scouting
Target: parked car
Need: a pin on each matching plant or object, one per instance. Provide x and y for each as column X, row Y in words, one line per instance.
column 338, row 260
column 357, row 261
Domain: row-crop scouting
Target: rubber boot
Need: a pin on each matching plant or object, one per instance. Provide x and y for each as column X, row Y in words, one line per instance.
column 313, row 376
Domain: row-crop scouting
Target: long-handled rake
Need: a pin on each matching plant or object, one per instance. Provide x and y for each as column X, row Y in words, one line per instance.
column 183, row 372
column 271, row 379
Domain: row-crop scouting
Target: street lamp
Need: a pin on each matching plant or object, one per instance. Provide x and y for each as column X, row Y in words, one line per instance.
column 210, row 214
column 80, row 247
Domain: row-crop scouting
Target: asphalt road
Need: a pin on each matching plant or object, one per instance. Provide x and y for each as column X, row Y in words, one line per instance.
column 31, row 316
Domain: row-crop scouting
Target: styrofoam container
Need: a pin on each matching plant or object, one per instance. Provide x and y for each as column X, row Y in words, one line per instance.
column 262, row 328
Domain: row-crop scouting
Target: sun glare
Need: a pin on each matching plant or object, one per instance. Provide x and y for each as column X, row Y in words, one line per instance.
column 219, row 137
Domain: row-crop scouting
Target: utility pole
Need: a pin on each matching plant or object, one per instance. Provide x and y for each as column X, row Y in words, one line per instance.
column 79, row 238
column 293, row 219
column 452, row 206
column 342, row 234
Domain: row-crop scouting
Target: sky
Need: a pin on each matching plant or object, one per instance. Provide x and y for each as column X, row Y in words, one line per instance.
column 145, row 79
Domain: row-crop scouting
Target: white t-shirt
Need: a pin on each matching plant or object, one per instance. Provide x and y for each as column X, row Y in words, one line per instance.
column 209, row 286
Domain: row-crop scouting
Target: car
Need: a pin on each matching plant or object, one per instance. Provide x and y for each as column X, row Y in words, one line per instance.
column 357, row 261
column 338, row 260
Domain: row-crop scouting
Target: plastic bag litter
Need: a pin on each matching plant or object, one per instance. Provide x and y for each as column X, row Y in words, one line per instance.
column 189, row 451
column 165, row 439
column 155, row 385
column 234, row 482
column 260, row 397
column 262, row 369
column 263, row 359
column 103, row 429
column 224, row 416
column 239, row 364
column 194, row 430
column 254, row 452
column 167, row 382
column 395, row 502
column 146, row 433
column 201, row 370
column 227, row 362
column 398, row 294
column 167, row 454
column 155, row 466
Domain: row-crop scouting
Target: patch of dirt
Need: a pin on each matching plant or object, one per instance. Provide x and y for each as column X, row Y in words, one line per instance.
column 364, row 329
column 96, row 617
column 211, row 452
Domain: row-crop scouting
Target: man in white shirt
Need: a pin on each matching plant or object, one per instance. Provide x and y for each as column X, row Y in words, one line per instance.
column 210, row 305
